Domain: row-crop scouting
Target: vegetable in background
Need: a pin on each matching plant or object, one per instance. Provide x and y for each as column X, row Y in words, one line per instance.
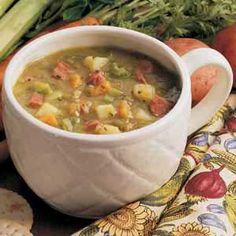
column 165, row 19
column 204, row 78
column 160, row 18
column 30, row 17
column 4, row 5
column 225, row 42
column 17, row 21
column 67, row 10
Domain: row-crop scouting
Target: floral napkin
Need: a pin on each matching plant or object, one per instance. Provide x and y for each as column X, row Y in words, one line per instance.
column 205, row 205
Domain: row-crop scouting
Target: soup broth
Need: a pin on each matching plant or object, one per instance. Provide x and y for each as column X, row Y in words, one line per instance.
column 97, row 90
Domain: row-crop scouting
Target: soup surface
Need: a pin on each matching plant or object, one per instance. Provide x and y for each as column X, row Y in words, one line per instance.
column 97, row 90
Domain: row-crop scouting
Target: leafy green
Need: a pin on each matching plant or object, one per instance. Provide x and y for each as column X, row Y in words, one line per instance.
column 165, row 19
column 67, row 10
column 74, row 9
column 162, row 19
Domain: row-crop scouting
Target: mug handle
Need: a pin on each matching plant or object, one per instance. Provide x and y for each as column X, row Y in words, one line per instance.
column 208, row 106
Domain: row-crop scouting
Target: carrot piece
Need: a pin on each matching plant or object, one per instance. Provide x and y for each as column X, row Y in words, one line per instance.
column 49, row 119
column 36, row 100
column 123, row 109
column 75, row 80
column 73, row 109
column 3, row 67
column 101, row 89
column 88, row 20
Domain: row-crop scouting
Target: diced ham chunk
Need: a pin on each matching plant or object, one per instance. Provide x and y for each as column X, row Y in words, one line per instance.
column 145, row 66
column 62, row 71
column 85, row 106
column 96, row 78
column 92, row 125
column 36, row 100
column 140, row 76
column 159, row 106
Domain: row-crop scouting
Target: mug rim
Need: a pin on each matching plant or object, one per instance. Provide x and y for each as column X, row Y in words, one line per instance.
column 146, row 131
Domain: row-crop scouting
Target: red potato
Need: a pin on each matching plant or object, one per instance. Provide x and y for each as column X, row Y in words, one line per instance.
column 225, row 43
column 204, row 78
column 183, row 45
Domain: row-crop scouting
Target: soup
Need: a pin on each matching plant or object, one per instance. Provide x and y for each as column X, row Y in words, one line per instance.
column 97, row 90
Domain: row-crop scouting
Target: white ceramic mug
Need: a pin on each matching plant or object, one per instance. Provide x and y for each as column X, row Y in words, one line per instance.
column 90, row 175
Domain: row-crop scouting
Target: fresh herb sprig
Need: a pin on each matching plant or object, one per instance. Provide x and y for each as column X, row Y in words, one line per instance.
column 165, row 19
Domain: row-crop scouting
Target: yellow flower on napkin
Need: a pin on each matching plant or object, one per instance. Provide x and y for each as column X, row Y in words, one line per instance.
column 191, row 229
column 131, row 220
column 169, row 210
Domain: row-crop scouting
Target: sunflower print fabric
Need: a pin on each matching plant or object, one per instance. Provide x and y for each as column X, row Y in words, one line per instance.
column 199, row 200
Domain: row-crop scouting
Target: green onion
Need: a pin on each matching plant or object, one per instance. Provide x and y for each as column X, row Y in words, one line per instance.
column 17, row 21
column 4, row 5
column 42, row 87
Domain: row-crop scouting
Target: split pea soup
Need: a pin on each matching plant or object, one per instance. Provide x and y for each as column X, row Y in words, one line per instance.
column 97, row 90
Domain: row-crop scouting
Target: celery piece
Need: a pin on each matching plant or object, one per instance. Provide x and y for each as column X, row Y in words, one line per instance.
column 119, row 71
column 67, row 124
column 108, row 98
column 42, row 87
column 4, row 5
column 56, row 95
column 115, row 92
column 17, row 21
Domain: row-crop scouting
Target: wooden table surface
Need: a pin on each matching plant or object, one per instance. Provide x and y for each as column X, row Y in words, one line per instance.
column 47, row 222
